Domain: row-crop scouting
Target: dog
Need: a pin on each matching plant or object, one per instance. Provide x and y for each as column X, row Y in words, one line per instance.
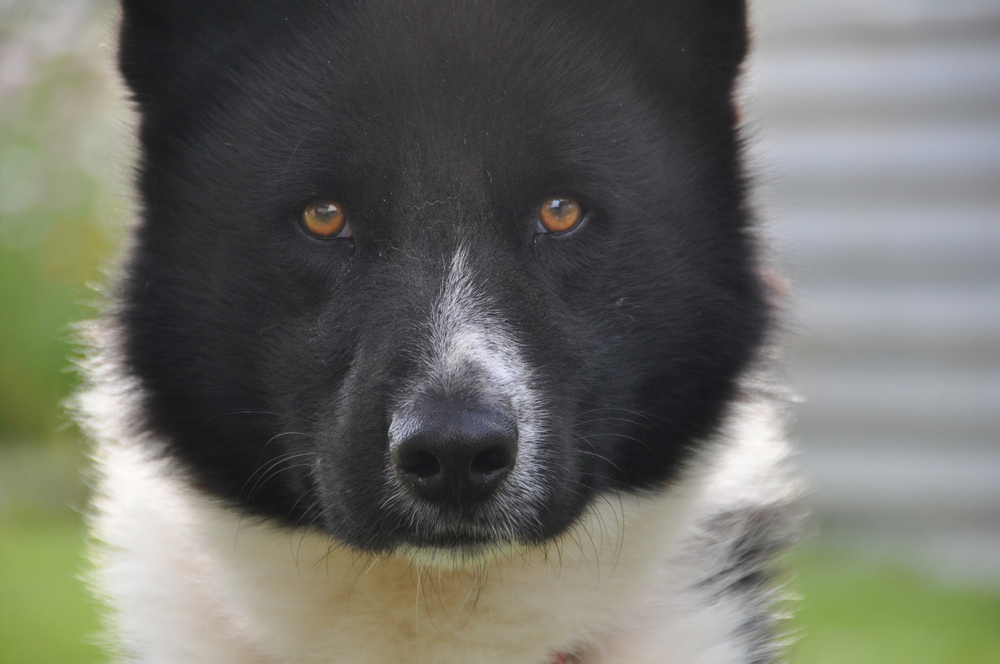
column 442, row 336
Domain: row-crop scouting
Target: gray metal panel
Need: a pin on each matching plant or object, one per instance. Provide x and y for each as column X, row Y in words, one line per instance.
column 876, row 132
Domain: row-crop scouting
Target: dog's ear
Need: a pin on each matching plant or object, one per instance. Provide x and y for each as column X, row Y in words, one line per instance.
column 694, row 42
column 162, row 42
column 168, row 48
column 712, row 31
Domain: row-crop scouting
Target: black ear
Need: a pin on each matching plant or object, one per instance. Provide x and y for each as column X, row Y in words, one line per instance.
column 167, row 48
column 715, row 32
column 699, row 43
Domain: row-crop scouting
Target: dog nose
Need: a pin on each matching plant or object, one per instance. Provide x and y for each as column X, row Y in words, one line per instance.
column 453, row 453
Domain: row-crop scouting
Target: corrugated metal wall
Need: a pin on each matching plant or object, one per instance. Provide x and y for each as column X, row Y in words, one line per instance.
column 876, row 131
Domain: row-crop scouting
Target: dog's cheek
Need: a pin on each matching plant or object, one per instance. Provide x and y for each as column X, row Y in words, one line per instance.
column 350, row 469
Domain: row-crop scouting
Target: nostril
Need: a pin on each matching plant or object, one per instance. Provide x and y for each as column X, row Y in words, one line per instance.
column 492, row 460
column 453, row 452
column 418, row 463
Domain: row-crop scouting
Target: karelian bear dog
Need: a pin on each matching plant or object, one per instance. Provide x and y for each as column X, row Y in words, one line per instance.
column 441, row 338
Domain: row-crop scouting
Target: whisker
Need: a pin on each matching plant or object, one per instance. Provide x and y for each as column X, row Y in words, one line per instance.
column 256, row 412
column 266, row 474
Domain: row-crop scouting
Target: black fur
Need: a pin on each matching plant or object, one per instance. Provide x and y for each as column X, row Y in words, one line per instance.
column 271, row 359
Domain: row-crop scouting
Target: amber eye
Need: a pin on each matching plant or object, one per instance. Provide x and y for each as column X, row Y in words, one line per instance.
column 325, row 218
column 559, row 214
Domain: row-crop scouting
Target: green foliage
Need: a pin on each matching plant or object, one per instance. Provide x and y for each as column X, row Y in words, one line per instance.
column 58, row 214
column 34, row 378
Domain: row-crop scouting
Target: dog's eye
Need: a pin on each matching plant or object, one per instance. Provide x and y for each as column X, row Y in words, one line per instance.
column 559, row 214
column 326, row 219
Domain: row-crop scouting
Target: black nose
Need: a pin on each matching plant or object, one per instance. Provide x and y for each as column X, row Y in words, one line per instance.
column 453, row 453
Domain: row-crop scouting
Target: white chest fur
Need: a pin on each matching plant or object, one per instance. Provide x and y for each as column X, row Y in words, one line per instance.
column 640, row 579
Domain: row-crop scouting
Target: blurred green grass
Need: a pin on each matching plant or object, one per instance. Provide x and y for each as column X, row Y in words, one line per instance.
column 46, row 615
column 875, row 612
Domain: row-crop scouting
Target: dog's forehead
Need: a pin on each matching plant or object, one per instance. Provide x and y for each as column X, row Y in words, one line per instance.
column 427, row 131
column 418, row 87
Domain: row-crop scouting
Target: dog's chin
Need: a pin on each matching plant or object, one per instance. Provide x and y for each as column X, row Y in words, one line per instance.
column 452, row 535
column 464, row 555
column 459, row 544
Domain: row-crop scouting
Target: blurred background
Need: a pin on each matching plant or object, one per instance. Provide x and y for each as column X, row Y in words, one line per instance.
column 875, row 134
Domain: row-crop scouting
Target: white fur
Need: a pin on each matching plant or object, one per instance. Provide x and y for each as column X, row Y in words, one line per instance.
column 191, row 581
column 469, row 340
column 472, row 349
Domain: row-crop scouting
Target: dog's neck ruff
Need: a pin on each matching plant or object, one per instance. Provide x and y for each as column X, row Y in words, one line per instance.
column 673, row 577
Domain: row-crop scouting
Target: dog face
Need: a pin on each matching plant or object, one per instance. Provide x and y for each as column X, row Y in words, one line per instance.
column 427, row 275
